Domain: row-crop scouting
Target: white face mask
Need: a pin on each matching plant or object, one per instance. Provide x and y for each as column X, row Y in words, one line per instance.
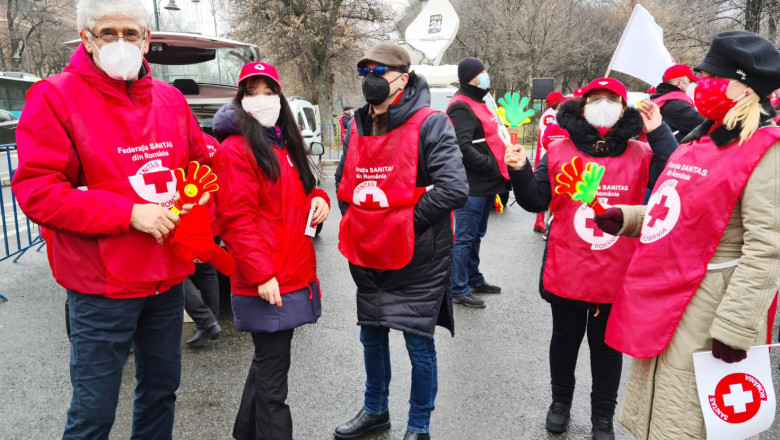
column 603, row 113
column 264, row 108
column 690, row 91
column 120, row 60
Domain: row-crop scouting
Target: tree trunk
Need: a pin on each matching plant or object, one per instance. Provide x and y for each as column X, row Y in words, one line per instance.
column 753, row 10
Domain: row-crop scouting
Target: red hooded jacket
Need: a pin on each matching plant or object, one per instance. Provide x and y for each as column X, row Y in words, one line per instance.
column 90, row 147
column 262, row 222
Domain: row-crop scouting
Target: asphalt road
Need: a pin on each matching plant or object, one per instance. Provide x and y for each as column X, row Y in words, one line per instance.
column 493, row 375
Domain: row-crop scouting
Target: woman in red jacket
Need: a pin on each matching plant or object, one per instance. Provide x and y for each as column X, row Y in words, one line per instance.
column 267, row 199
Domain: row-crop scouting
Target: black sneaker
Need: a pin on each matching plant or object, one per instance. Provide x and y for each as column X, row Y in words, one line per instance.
column 486, row 288
column 469, row 301
column 558, row 417
column 602, row 428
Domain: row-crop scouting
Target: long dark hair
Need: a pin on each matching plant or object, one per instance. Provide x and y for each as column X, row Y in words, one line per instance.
column 255, row 136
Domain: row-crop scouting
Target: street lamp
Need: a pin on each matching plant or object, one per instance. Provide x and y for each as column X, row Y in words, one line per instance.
column 171, row 6
column 213, row 14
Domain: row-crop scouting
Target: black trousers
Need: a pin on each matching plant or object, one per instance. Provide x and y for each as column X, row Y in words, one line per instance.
column 203, row 307
column 570, row 324
column 264, row 413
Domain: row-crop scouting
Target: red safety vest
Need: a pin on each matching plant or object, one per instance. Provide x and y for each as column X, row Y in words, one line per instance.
column 496, row 135
column 583, row 262
column 380, row 185
column 686, row 215
column 671, row 96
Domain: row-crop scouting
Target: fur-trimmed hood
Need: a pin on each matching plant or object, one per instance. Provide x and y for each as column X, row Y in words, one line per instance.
column 587, row 138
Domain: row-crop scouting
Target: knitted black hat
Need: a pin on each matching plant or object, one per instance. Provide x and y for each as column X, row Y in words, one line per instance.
column 468, row 69
column 746, row 57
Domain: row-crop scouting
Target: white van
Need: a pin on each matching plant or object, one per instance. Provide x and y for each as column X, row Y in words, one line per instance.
column 308, row 117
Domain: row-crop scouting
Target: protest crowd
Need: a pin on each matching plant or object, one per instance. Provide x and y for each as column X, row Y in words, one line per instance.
column 664, row 238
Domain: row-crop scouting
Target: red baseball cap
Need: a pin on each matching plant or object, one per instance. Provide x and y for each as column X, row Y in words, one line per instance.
column 259, row 69
column 679, row 71
column 610, row 84
column 577, row 93
column 552, row 98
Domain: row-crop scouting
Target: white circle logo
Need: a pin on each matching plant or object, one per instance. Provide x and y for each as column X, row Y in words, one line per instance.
column 259, row 67
column 155, row 183
column 589, row 232
column 663, row 211
column 369, row 195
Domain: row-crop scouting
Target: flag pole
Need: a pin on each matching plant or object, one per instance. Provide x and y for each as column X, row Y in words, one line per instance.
column 606, row 75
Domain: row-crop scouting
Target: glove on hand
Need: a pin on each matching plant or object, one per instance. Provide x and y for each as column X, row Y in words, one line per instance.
column 727, row 354
column 610, row 221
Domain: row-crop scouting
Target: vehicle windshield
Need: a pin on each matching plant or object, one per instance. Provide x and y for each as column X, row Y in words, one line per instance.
column 204, row 66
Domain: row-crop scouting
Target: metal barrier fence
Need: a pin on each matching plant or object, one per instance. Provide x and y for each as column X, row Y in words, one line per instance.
column 331, row 141
column 19, row 233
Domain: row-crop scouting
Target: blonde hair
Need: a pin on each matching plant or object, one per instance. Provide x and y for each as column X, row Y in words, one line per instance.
column 746, row 113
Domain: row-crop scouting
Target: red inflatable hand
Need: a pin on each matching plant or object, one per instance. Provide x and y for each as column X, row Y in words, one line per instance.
column 570, row 174
column 192, row 185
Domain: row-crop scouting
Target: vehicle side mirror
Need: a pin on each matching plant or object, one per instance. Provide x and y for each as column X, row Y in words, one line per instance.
column 307, row 134
column 317, row 149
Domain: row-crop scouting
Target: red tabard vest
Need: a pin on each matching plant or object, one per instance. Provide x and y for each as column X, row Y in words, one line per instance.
column 671, row 96
column 380, row 185
column 686, row 215
column 583, row 262
column 156, row 184
column 496, row 135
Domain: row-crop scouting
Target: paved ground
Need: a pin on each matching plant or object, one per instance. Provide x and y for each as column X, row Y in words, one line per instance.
column 493, row 376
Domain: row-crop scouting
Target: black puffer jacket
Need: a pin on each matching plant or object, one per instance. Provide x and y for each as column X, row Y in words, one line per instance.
column 533, row 190
column 416, row 297
column 680, row 116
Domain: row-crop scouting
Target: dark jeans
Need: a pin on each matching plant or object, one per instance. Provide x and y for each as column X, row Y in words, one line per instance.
column 422, row 354
column 470, row 226
column 202, row 307
column 263, row 413
column 102, row 332
column 570, row 323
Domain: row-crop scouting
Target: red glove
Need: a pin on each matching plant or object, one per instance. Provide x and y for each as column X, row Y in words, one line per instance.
column 610, row 221
column 193, row 240
column 727, row 354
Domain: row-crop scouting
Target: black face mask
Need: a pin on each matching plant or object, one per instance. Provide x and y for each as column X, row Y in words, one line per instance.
column 376, row 89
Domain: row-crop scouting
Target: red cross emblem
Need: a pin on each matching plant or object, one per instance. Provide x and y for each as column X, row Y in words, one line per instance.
column 658, row 212
column 370, row 202
column 591, row 224
column 160, row 181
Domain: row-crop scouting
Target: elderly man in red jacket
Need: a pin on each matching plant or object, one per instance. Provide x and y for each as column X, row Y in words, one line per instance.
column 97, row 145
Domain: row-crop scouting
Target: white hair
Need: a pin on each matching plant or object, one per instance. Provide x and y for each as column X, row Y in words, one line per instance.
column 90, row 11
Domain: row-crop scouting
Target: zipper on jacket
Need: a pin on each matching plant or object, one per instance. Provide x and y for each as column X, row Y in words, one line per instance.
column 133, row 99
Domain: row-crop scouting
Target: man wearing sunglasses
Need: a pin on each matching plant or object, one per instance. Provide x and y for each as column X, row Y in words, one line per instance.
column 97, row 144
column 399, row 179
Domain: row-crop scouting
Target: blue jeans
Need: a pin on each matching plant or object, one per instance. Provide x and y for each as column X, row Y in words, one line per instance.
column 470, row 226
column 422, row 354
column 102, row 332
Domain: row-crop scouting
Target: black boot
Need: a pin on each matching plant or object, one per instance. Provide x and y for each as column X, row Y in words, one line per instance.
column 416, row 436
column 363, row 423
column 558, row 417
column 602, row 428
column 211, row 332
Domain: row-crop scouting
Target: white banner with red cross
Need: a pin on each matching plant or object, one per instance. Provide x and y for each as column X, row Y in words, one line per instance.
column 737, row 400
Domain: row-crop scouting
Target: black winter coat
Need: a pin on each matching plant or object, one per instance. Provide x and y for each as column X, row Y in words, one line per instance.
column 533, row 190
column 680, row 116
column 484, row 177
column 416, row 297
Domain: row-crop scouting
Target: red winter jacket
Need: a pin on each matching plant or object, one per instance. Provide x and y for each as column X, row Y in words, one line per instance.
column 262, row 222
column 90, row 147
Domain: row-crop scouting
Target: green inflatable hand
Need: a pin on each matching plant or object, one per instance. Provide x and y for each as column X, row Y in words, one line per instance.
column 589, row 184
column 514, row 109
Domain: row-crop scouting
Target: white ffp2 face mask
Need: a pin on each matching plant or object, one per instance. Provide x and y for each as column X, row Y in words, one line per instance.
column 120, row 60
column 264, row 108
column 604, row 113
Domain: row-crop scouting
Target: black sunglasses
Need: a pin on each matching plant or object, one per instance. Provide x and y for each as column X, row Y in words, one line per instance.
column 378, row 70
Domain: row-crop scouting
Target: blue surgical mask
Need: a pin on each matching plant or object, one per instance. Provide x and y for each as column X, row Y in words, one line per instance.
column 484, row 81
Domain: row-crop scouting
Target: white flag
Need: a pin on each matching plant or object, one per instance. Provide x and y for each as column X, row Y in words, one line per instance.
column 641, row 52
column 737, row 400
column 432, row 32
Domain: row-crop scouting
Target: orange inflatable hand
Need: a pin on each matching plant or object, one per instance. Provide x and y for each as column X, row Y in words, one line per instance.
column 570, row 174
column 196, row 182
